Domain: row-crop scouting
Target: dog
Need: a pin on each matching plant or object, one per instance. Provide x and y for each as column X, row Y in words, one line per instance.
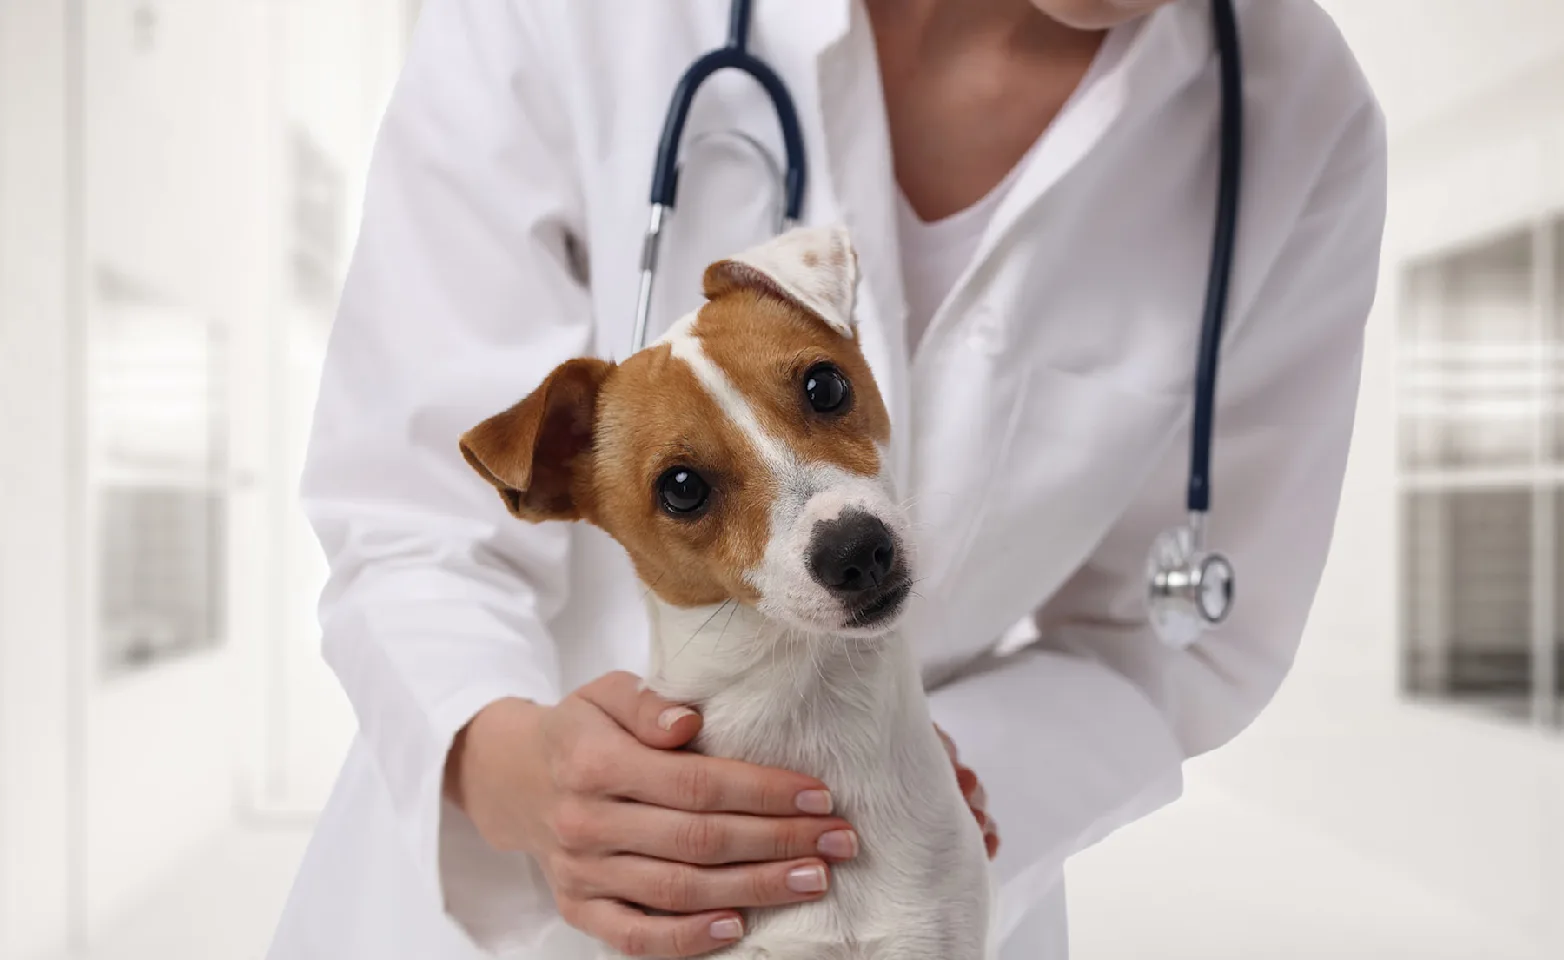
column 742, row 462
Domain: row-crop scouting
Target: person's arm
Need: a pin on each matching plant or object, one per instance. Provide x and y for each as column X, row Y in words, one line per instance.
column 1087, row 730
column 459, row 297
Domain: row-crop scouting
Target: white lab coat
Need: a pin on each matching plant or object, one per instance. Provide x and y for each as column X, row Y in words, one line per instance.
column 1041, row 426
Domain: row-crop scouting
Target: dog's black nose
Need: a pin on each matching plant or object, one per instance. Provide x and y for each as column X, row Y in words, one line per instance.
column 853, row 553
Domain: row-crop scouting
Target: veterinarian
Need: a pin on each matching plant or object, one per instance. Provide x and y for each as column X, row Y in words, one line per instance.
column 1030, row 186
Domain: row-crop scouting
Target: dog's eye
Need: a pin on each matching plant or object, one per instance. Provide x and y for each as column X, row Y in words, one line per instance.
column 683, row 491
column 826, row 388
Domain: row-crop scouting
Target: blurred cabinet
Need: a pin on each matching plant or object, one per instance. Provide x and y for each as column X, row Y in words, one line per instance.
column 1481, row 474
column 156, row 463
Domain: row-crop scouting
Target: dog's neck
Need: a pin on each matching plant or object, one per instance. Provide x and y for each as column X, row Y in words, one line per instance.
column 851, row 713
column 700, row 652
column 768, row 691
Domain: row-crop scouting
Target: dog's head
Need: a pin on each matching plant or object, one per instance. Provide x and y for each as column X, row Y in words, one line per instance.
column 741, row 457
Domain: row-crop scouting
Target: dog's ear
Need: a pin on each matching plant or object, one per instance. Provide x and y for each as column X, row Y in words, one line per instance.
column 815, row 268
column 531, row 452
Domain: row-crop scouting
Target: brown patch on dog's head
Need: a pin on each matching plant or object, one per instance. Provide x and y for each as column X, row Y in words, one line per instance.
column 767, row 346
column 655, row 420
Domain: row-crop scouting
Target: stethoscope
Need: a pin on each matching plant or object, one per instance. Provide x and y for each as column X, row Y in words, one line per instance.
column 1189, row 587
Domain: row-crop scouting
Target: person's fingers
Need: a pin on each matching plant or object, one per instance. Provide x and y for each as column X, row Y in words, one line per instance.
column 681, row 888
column 649, row 718
column 978, row 797
column 635, row 934
column 991, row 837
column 968, row 782
column 689, row 781
column 719, row 838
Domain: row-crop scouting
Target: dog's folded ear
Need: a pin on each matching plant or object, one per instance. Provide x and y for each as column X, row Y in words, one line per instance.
column 815, row 268
column 531, row 453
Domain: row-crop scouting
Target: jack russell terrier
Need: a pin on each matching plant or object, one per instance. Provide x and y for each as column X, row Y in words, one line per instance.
column 741, row 460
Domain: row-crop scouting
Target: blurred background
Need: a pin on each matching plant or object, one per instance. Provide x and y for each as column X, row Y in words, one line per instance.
column 179, row 182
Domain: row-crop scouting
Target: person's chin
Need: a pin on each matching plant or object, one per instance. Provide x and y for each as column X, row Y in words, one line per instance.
column 1094, row 15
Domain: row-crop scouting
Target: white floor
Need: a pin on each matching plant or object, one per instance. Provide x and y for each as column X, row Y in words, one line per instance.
column 1203, row 880
column 1208, row 879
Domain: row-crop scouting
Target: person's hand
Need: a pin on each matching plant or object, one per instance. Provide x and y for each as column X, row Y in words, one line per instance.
column 595, row 791
column 972, row 789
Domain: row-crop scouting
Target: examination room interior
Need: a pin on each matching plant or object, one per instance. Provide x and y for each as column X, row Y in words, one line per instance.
column 179, row 182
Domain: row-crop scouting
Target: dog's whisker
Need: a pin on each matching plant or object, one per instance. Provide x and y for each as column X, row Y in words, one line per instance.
column 697, row 632
column 725, row 625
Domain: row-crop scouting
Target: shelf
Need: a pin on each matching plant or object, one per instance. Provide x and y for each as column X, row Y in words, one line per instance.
column 1528, row 477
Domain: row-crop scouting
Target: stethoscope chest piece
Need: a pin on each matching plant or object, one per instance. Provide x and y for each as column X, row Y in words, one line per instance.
column 1191, row 589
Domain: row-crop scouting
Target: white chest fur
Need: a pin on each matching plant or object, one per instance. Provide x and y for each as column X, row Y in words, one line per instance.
column 852, row 713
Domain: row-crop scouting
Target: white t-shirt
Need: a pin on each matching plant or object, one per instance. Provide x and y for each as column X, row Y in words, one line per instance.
column 935, row 253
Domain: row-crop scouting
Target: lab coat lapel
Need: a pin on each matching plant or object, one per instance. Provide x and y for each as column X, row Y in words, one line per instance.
column 974, row 393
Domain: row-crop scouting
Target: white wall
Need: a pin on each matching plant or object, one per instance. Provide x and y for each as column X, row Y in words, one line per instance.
column 165, row 162
column 35, row 502
column 341, row 60
column 1474, row 95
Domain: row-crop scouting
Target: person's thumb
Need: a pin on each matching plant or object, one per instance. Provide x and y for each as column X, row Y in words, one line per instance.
column 649, row 718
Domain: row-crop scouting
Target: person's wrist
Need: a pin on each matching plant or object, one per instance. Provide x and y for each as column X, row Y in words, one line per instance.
column 511, row 719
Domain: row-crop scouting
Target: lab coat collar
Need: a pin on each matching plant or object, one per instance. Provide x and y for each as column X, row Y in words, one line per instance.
column 1165, row 51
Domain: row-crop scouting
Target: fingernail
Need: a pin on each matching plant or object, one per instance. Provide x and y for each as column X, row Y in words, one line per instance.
column 728, row 928
column 817, row 802
column 671, row 716
column 966, row 780
column 807, row 880
column 841, row 844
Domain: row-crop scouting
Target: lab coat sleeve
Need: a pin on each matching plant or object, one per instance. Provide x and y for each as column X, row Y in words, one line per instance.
column 461, row 296
column 1087, row 729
